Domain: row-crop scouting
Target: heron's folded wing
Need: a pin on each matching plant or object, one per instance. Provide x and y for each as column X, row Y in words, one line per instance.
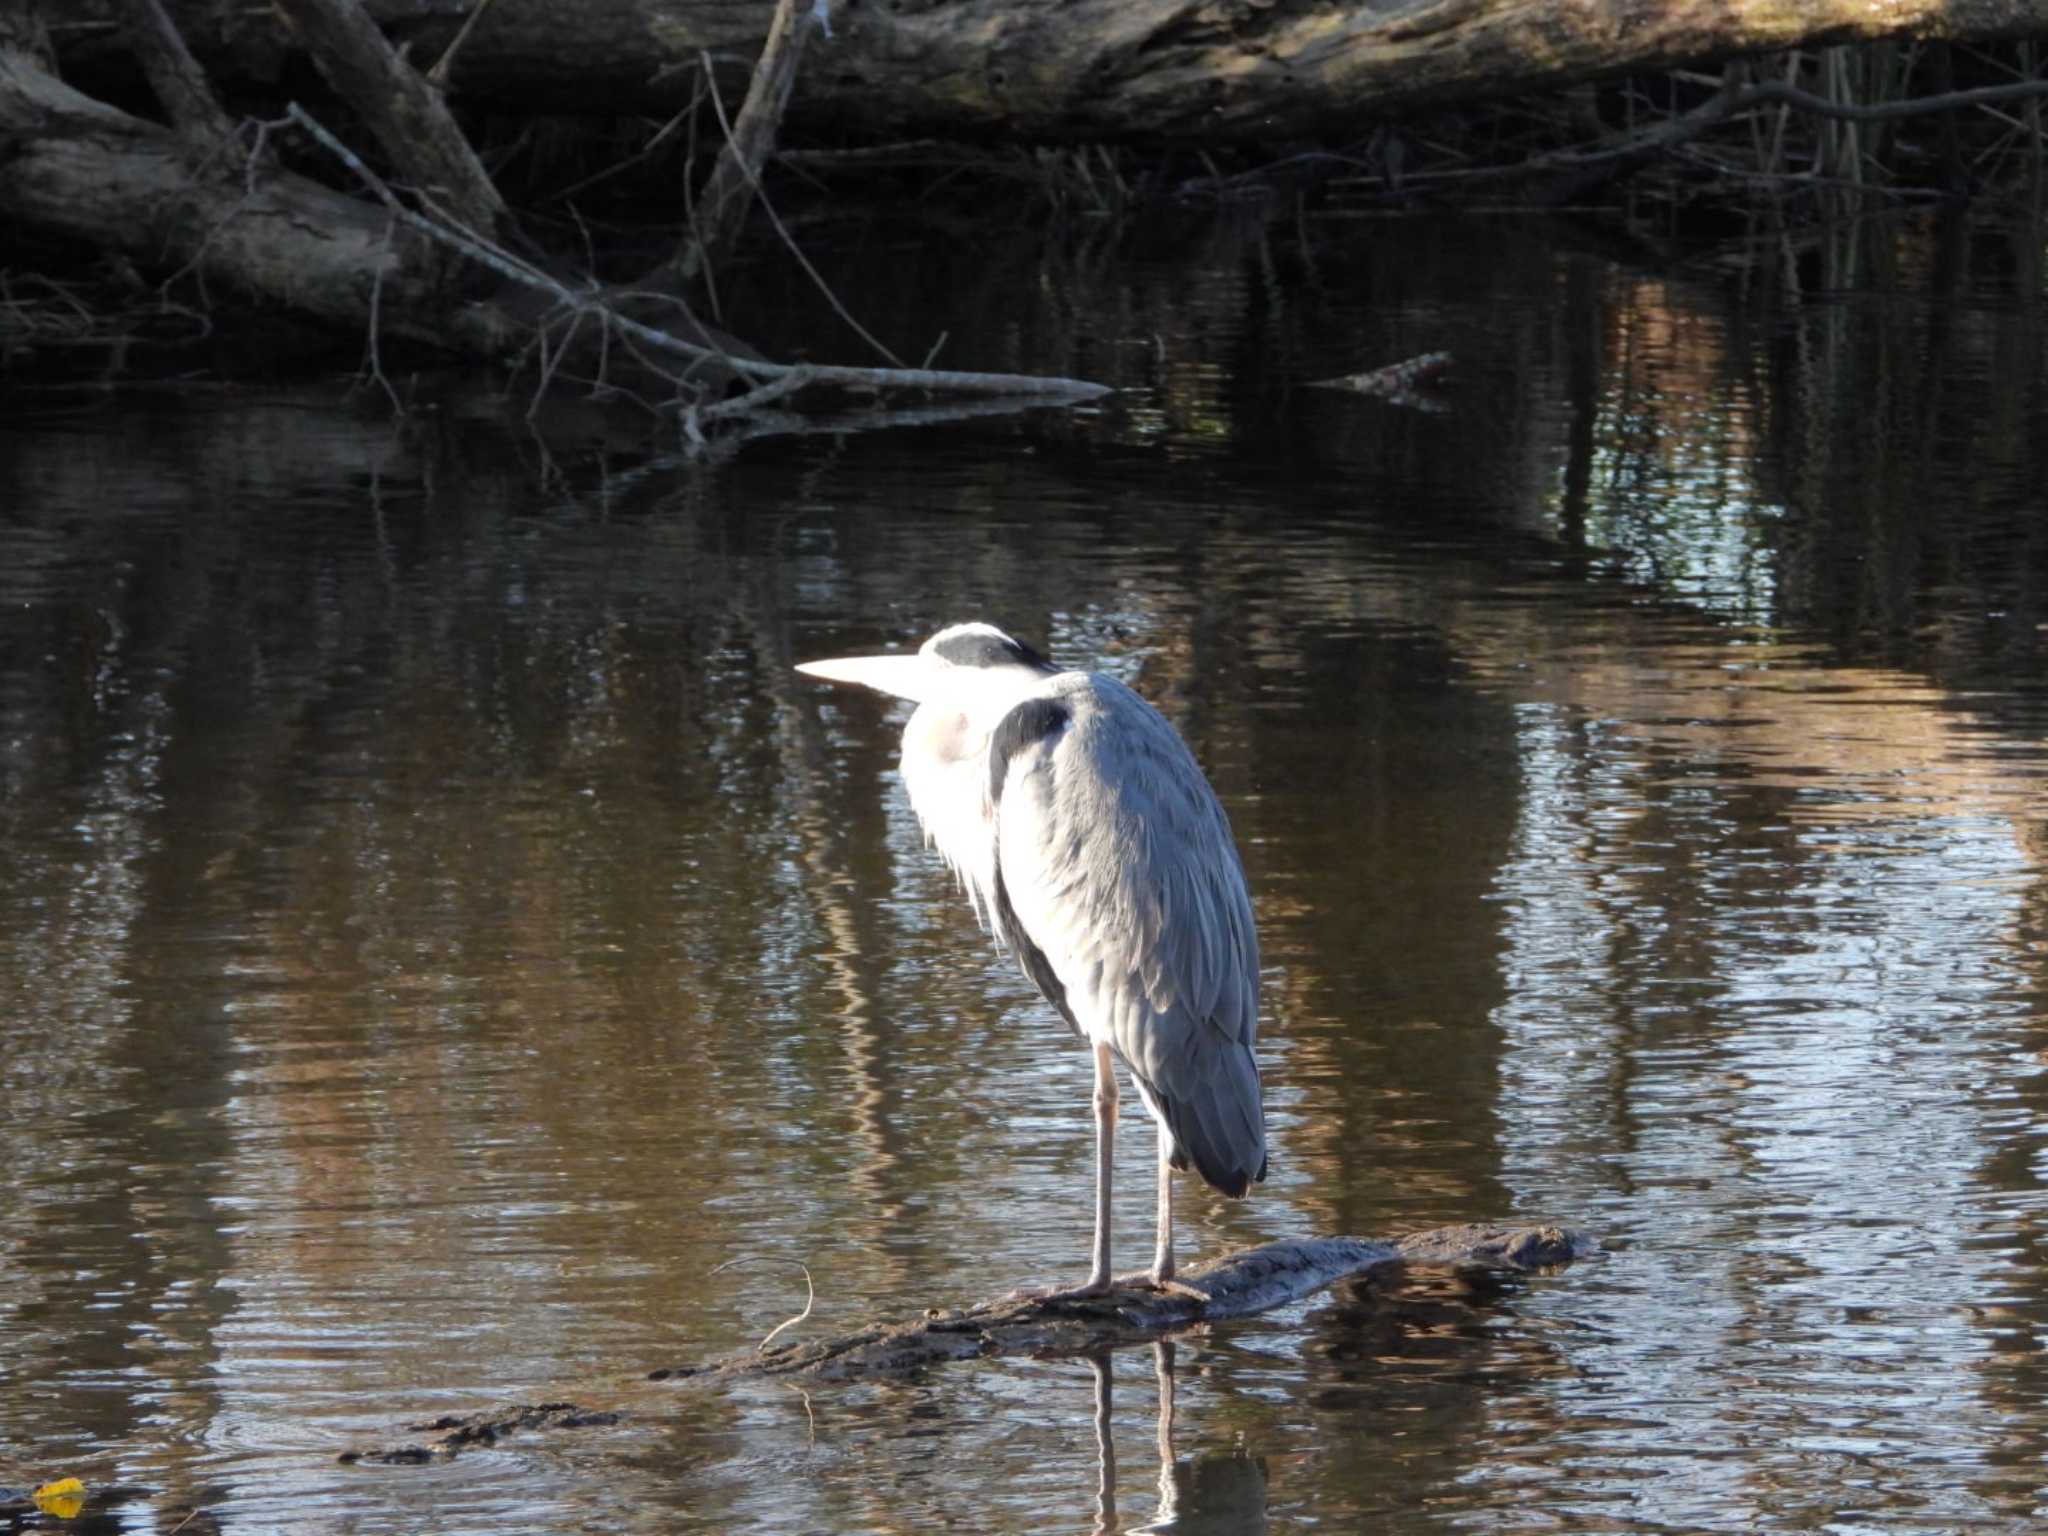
column 1117, row 866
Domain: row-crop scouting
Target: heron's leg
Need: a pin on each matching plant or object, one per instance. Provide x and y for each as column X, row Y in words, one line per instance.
column 1162, row 1256
column 1105, row 1451
column 1105, row 1159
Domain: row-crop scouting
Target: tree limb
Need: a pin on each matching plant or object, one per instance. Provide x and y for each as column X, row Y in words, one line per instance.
column 1886, row 111
column 406, row 114
column 574, row 304
column 175, row 77
column 749, row 141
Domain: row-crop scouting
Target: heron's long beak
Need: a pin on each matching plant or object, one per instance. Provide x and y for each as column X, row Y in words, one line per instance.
column 907, row 676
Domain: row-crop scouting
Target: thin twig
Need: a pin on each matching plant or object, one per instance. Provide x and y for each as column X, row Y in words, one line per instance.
column 438, row 75
column 635, row 158
column 376, row 362
column 754, row 399
column 548, row 367
column 1911, row 106
column 761, row 196
column 811, row 1290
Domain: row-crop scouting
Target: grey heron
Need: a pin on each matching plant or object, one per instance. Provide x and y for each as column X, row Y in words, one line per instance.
column 1088, row 841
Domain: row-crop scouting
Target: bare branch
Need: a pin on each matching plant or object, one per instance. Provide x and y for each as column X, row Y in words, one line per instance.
column 817, row 278
column 524, row 273
column 810, row 1292
column 438, row 75
column 749, row 141
column 406, row 114
column 180, row 85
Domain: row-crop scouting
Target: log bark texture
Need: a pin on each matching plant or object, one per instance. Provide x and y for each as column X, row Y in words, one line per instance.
column 1084, row 69
column 81, row 169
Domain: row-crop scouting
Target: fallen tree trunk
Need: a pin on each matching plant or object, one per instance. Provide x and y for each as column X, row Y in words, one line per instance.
column 222, row 212
column 79, row 168
column 1207, row 70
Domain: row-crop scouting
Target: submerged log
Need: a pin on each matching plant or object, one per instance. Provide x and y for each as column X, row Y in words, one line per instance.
column 1238, row 1285
column 1241, row 1284
column 1204, row 70
column 425, row 250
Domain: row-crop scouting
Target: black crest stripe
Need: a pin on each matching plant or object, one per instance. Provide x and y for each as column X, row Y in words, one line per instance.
column 986, row 648
column 1033, row 720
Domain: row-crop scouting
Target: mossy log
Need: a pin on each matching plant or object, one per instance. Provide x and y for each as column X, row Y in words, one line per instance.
column 1206, row 70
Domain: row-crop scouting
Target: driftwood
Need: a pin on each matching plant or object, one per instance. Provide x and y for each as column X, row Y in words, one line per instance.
column 1241, row 1284
column 1085, row 69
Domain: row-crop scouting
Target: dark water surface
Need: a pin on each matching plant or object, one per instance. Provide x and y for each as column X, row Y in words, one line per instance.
column 437, row 928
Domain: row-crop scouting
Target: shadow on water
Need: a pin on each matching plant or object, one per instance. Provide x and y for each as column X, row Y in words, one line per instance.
column 437, row 928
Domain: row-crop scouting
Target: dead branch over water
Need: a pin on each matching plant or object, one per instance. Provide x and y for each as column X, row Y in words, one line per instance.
column 370, row 209
column 210, row 199
column 400, row 107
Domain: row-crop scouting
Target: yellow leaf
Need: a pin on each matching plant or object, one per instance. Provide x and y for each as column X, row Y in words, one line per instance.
column 63, row 1498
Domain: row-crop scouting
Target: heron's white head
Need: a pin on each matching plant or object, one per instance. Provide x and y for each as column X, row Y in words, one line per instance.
column 963, row 681
column 973, row 670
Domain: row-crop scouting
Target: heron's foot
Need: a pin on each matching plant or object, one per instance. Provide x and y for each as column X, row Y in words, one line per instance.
column 1106, row 1298
column 1039, row 1295
column 1149, row 1281
column 1160, row 1285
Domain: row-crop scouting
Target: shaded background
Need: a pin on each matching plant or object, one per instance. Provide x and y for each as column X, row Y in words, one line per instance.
column 437, row 927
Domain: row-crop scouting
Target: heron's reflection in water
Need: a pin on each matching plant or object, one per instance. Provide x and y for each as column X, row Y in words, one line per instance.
column 1218, row 1492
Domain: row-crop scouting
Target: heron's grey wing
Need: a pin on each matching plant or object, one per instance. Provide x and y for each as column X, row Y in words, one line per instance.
column 1117, row 877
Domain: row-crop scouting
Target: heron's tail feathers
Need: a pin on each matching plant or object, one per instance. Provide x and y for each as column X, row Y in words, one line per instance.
column 1219, row 1130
